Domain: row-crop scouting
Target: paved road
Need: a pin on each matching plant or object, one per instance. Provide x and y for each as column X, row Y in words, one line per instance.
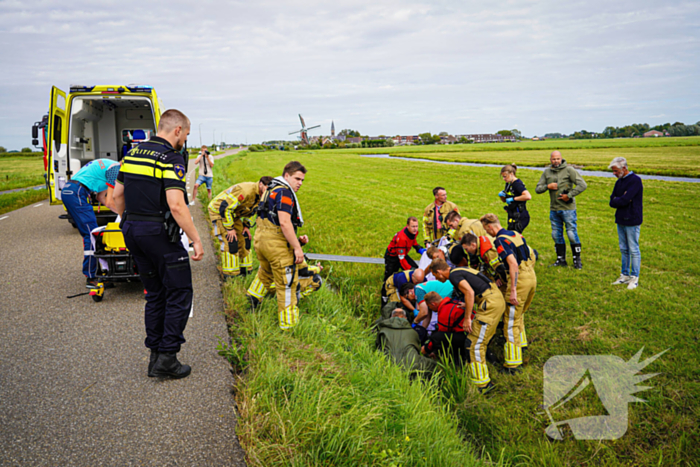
column 73, row 384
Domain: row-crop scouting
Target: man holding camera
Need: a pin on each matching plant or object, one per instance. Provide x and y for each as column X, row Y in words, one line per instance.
column 150, row 194
column 205, row 161
column 564, row 183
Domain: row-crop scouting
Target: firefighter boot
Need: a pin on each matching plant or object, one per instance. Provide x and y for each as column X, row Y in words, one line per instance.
column 576, row 248
column 167, row 365
column 561, row 255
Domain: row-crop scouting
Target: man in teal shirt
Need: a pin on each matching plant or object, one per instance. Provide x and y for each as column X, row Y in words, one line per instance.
column 92, row 181
column 425, row 321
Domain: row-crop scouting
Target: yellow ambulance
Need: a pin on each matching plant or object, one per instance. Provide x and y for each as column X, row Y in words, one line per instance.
column 93, row 122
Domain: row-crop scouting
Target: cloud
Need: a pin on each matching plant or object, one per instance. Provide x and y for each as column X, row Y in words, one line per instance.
column 247, row 69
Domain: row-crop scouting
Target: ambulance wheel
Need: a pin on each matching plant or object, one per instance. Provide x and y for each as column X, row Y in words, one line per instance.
column 97, row 298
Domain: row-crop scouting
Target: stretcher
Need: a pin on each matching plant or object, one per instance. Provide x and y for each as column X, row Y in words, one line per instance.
column 114, row 262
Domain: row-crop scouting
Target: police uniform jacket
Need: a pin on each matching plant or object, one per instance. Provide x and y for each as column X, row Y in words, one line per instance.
column 147, row 172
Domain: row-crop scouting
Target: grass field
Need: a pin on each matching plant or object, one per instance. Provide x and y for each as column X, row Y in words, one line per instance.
column 320, row 396
column 659, row 156
column 20, row 172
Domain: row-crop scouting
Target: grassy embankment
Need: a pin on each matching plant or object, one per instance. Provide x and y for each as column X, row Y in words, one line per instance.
column 656, row 156
column 20, row 172
column 321, row 395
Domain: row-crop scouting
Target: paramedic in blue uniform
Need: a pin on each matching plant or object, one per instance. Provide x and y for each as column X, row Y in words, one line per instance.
column 94, row 180
column 150, row 189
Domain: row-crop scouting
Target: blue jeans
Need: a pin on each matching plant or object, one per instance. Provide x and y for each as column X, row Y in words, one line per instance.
column 207, row 180
column 558, row 220
column 76, row 199
column 628, row 236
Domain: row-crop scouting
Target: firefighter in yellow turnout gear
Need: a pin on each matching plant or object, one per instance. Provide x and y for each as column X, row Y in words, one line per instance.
column 519, row 260
column 480, row 294
column 231, row 213
column 462, row 226
column 277, row 246
column 434, row 223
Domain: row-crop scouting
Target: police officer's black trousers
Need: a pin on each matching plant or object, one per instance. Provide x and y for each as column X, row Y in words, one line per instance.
column 165, row 271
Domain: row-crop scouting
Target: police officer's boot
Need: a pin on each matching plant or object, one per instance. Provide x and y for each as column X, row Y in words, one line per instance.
column 561, row 255
column 152, row 362
column 576, row 247
column 167, row 365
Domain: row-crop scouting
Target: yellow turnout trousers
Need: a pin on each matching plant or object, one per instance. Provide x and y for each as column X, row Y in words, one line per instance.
column 491, row 307
column 513, row 319
column 234, row 255
column 276, row 266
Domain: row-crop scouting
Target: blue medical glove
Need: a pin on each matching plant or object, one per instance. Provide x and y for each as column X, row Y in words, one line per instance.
column 509, row 200
column 502, row 194
column 421, row 250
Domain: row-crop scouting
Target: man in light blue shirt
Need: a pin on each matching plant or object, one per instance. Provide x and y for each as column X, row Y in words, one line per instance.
column 93, row 180
column 426, row 321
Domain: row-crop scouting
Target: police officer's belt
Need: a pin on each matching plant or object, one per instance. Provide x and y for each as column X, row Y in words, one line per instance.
column 144, row 217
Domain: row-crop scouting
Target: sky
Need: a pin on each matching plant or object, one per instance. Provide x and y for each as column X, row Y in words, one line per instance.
column 242, row 71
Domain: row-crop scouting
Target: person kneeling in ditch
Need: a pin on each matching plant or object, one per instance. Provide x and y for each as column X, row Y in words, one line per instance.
column 230, row 213
column 277, row 246
column 401, row 343
column 474, row 288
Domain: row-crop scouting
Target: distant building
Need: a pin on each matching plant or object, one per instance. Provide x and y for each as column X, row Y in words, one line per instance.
column 653, row 133
column 332, row 129
column 405, row 140
column 487, row 138
column 353, row 140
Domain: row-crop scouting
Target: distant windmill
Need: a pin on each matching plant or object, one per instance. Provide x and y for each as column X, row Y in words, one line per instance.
column 304, row 131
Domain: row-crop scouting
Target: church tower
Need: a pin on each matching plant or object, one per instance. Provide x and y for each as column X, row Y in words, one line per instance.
column 332, row 129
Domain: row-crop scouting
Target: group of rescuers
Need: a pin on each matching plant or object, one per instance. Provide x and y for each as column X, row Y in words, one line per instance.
column 474, row 274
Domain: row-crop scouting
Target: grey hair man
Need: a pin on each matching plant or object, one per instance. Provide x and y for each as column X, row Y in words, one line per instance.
column 627, row 199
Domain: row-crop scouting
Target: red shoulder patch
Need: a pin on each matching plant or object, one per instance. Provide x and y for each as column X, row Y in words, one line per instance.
column 499, row 249
column 287, row 200
column 484, row 244
column 241, row 197
column 273, row 195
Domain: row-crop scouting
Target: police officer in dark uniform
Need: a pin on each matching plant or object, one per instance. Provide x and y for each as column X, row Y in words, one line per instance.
column 150, row 194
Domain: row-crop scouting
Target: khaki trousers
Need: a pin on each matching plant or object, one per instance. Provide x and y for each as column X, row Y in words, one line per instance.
column 276, row 266
column 234, row 255
column 513, row 319
column 491, row 307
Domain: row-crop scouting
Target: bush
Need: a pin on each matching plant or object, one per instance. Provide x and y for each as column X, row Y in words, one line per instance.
column 26, row 150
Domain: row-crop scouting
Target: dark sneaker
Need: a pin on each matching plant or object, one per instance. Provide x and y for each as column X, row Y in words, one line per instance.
column 168, row 366
column 559, row 262
column 577, row 263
